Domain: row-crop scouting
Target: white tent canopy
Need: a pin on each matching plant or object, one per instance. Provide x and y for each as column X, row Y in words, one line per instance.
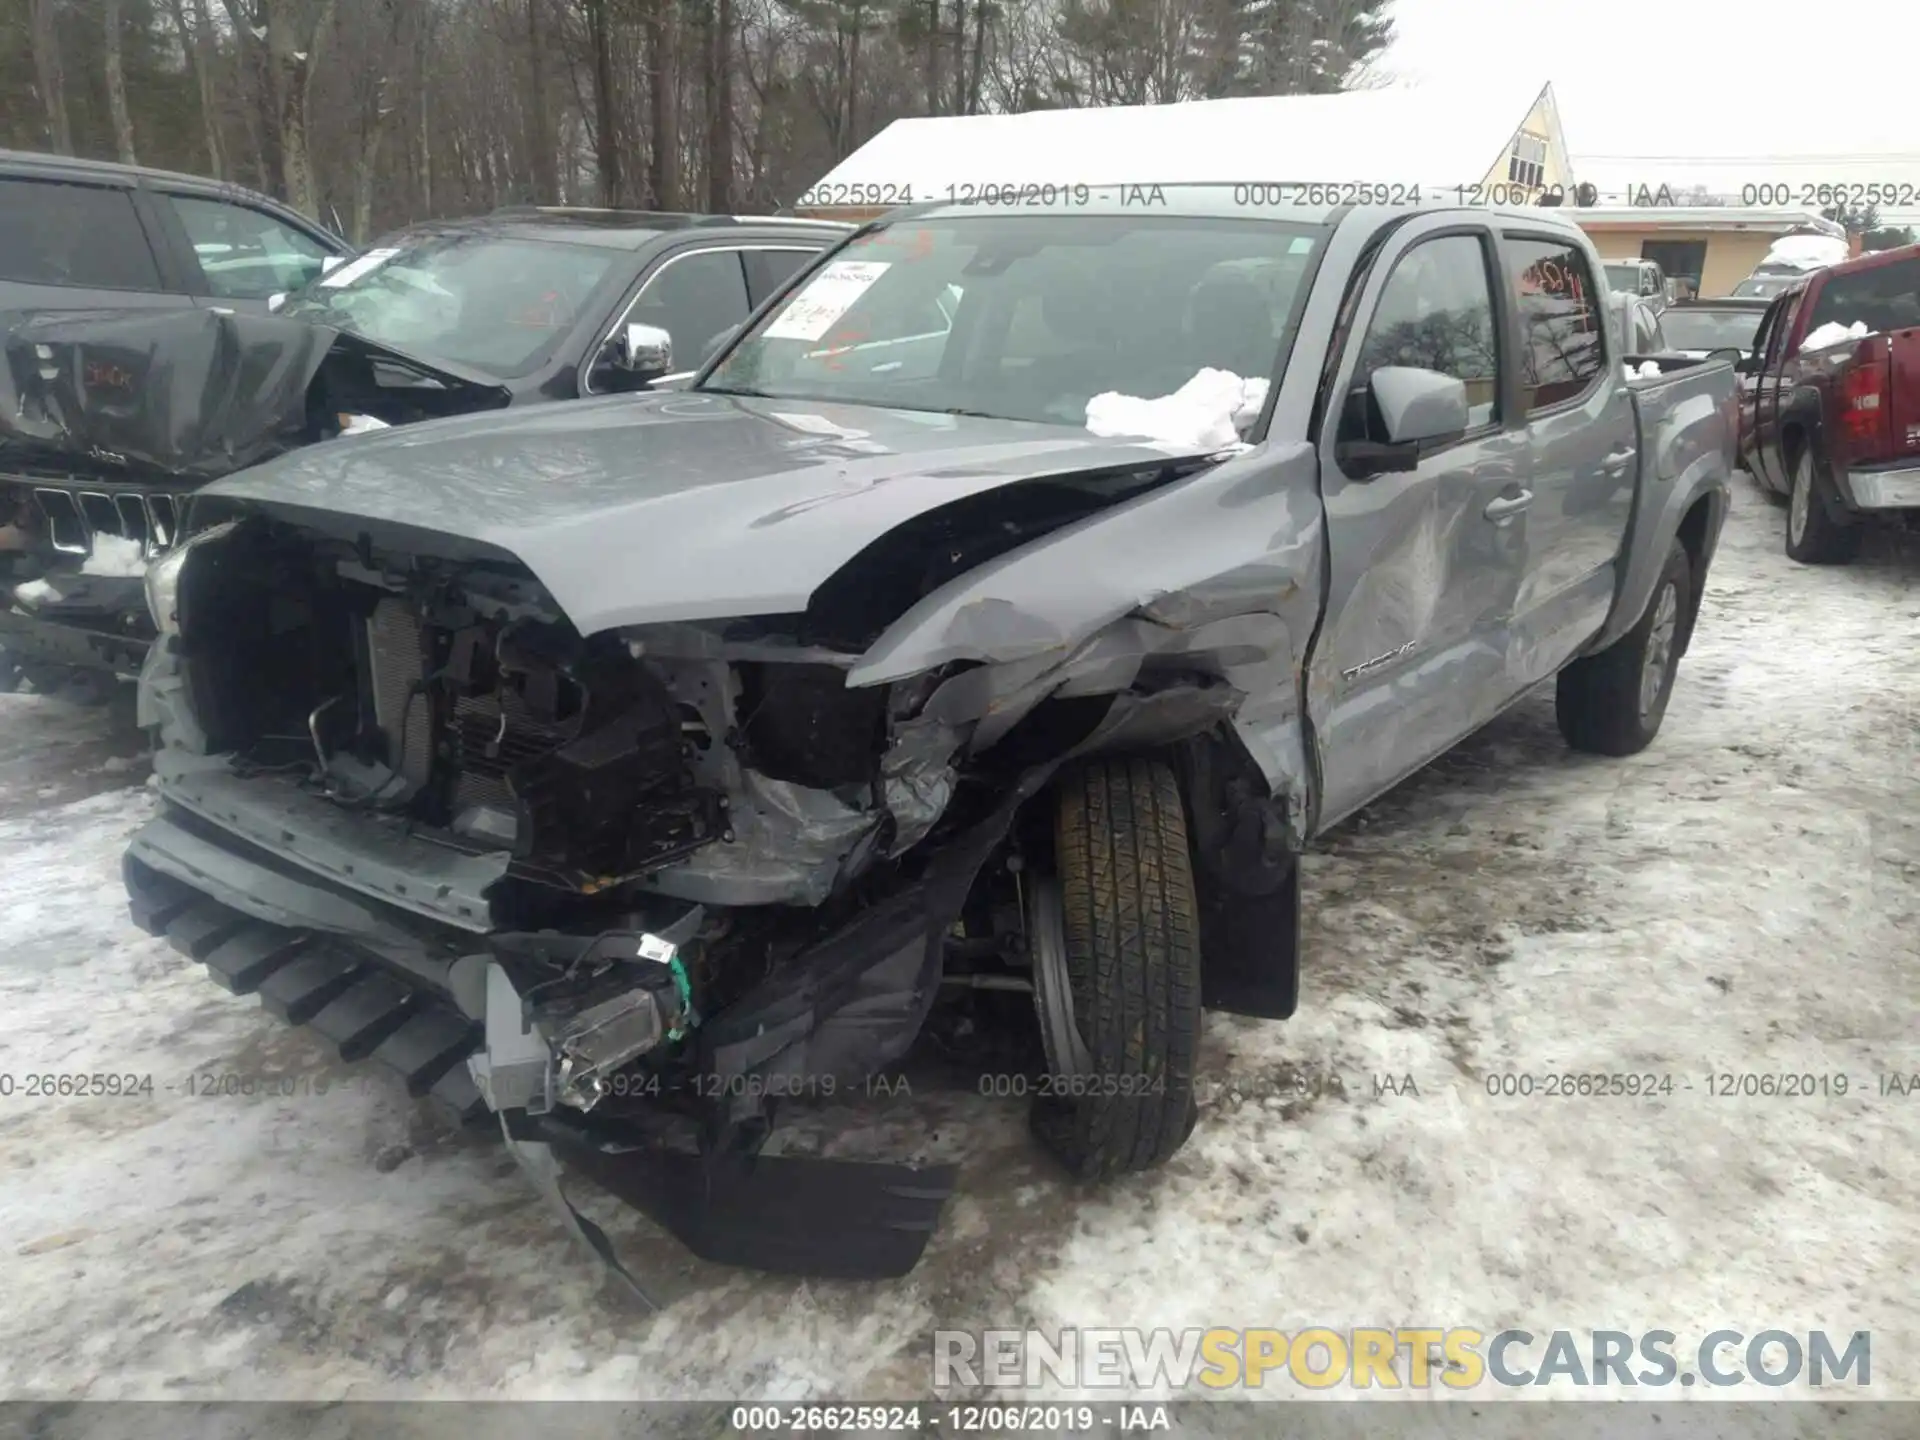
column 1430, row 136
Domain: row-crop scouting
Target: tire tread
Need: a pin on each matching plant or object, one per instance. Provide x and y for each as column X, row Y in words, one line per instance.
column 1597, row 698
column 1133, row 964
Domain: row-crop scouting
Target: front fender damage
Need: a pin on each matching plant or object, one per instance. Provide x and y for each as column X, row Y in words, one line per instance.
column 1194, row 647
column 1174, row 620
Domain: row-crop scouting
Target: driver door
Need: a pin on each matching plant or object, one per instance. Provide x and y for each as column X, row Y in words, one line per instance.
column 1424, row 565
column 1758, row 388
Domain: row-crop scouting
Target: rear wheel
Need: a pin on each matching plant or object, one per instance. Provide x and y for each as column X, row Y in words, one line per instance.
column 1116, row 946
column 1814, row 537
column 1612, row 703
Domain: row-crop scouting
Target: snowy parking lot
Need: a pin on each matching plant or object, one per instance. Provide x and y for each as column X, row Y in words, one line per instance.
column 1738, row 900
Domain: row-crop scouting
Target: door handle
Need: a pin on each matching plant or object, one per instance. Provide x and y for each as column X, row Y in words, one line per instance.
column 1507, row 506
column 1616, row 461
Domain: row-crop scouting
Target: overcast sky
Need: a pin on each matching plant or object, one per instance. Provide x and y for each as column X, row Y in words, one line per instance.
column 1763, row 89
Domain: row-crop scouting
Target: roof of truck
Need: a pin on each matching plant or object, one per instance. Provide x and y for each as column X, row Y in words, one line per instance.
column 1203, row 201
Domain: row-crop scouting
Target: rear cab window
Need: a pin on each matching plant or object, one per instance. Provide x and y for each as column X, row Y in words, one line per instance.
column 55, row 232
column 1884, row 298
column 1562, row 351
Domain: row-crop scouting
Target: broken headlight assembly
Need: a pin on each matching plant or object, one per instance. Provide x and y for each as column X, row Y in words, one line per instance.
column 163, row 579
column 623, row 999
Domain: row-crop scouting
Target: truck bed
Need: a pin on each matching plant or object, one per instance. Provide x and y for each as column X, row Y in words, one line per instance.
column 1686, row 415
column 1685, row 420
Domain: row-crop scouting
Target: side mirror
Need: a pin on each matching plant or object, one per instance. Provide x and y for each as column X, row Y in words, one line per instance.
column 275, row 301
column 1744, row 364
column 641, row 352
column 1417, row 406
column 1413, row 408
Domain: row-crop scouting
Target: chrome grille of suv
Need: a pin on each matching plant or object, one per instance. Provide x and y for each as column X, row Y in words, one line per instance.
column 74, row 516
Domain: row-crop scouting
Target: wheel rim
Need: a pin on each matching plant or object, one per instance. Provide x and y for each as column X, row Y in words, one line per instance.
column 1802, row 499
column 1653, row 670
column 1052, row 991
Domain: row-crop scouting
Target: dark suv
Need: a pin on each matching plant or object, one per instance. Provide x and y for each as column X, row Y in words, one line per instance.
column 83, row 234
column 440, row 319
column 537, row 302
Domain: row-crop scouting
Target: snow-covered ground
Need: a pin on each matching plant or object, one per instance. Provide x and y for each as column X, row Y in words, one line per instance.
column 1738, row 899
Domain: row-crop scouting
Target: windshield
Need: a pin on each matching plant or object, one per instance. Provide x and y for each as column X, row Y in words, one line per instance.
column 1711, row 329
column 1028, row 317
column 491, row 302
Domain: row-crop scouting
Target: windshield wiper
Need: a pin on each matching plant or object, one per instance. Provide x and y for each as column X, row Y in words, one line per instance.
column 743, row 390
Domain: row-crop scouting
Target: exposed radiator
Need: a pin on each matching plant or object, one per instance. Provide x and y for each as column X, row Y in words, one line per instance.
column 397, row 645
column 491, row 734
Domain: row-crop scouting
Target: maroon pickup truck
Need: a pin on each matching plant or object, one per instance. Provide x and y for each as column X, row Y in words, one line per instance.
column 1834, row 426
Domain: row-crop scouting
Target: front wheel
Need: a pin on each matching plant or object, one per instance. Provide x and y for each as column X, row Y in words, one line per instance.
column 1115, row 935
column 1612, row 703
column 1814, row 537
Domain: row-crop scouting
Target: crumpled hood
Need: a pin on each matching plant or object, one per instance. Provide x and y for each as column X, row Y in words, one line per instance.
column 677, row 506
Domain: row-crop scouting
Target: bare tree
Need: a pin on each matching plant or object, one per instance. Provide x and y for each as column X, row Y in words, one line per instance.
column 48, row 76
column 719, row 100
column 293, row 43
column 663, row 43
column 116, row 82
column 540, row 128
column 197, row 45
column 389, row 111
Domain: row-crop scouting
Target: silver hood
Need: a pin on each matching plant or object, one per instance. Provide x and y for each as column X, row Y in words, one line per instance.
column 680, row 506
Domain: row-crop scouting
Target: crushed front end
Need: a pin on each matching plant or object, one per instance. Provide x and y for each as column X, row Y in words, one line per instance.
column 110, row 422
column 623, row 890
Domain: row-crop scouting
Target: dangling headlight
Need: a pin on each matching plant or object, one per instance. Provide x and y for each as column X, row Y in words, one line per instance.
column 163, row 579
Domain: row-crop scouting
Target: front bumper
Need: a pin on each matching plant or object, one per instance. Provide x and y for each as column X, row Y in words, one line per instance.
column 374, row 981
column 1888, row 487
column 91, row 640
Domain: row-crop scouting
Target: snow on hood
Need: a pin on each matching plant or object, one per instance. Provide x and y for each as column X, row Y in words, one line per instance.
column 1645, row 370
column 1808, row 252
column 117, row 556
column 1832, row 333
column 1209, row 410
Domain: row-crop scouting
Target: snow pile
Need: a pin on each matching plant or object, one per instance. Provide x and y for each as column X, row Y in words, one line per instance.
column 1806, row 252
column 361, row 424
column 1645, row 370
column 1832, row 333
column 1205, row 412
column 117, row 556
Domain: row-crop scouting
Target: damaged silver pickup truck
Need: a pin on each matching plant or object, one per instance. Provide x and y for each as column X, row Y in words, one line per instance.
column 627, row 767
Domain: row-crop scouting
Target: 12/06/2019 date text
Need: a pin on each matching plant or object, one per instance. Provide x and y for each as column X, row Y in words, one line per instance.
column 1053, row 1420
